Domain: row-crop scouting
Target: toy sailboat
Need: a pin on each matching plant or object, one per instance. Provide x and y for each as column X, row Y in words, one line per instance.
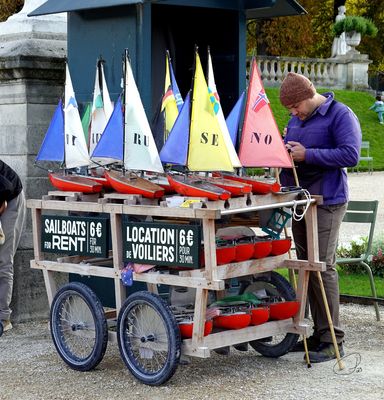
column 196, row 142
column 64, row 142
column 128, row 138
column 236, row 188
column 261, row 144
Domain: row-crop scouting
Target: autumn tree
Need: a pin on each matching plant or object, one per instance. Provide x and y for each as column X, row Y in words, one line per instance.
column 9, row 7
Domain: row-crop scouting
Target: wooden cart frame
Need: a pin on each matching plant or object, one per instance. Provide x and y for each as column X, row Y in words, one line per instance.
column 211, row 277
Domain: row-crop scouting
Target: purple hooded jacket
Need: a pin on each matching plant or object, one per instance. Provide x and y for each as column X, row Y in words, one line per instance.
column 332, row 138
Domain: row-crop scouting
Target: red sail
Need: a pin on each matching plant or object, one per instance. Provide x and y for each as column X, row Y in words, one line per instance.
column 261, row 143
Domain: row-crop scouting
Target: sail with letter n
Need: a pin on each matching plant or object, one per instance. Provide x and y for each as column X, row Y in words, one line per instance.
column 261, row 142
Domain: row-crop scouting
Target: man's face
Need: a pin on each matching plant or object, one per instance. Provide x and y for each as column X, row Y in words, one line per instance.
column 301, row 110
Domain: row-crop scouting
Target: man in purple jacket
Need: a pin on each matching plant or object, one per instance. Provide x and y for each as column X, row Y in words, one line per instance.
column 324, row 137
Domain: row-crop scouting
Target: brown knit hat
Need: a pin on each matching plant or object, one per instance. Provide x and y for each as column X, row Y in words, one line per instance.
column 296, row 88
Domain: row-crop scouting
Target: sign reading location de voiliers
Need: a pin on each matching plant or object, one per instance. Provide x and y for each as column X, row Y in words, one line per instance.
column 75, row 235
column 161, row 244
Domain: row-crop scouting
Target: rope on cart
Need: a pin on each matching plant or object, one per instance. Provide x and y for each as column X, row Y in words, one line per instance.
column 298, row 216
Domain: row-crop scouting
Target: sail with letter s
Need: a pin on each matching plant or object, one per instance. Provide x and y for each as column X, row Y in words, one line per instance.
column 207, row 147
column 215, row 99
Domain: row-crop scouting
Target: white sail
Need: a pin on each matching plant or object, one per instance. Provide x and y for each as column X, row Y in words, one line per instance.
column 220, row 116
column 140, row 151
column 76, row 151
column 102, row 109
column 108, row 106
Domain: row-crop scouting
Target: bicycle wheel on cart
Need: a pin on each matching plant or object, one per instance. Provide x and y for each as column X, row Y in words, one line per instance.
column 273, row 285
column 78, row 326
column 149, row 338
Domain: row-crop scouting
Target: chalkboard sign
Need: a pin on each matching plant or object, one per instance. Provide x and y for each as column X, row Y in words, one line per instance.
column 161, row 244
column 86, row 236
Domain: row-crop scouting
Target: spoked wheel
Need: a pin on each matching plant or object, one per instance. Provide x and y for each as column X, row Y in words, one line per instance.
column 273, row 285
column 149, row 338
column 78, row 326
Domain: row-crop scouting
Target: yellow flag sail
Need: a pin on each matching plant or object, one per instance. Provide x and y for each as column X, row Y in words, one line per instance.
column 169, row 105
column 207, row 147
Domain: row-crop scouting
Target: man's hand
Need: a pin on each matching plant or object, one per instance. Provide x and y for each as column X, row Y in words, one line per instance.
column 297, row 150
column 3, row 207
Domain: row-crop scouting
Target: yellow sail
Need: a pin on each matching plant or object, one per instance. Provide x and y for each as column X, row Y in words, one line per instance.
column 207, row 147
column 169, row 105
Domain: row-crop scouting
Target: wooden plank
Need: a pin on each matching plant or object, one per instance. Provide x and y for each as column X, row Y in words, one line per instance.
column 166, row 279
column 231, row 337
column 199, row 317
column 303, row 264
column 36, row 231
column 34, row 203
column 117, row 246
column 209, row 248
column 50, row 285
column 71, row 206
column 81, row 269
column 312, row 233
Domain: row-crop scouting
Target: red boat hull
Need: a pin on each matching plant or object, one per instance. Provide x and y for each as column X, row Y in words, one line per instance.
column 100, row 179
column 258, row 187
column 133, row 184
column 236, row 188
column 193, row 187
column 74, row 183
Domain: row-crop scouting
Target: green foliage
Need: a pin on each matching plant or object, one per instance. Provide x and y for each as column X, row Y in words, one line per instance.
column 376, row 260
column 355, row 23
column 354, row 249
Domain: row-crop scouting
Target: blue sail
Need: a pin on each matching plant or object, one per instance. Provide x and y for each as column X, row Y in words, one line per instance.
column 175, row 149
column 111, row 143
column 175, row 89
column 233, row 119
column 52, row 148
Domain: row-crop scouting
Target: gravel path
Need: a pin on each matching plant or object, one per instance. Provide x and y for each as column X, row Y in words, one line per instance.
column 30, row 368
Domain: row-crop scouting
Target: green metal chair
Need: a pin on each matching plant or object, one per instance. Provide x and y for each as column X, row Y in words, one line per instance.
column 363, row 212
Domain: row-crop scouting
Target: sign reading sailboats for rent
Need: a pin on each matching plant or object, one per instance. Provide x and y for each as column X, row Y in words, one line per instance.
column 161, row 244
column 87, row 236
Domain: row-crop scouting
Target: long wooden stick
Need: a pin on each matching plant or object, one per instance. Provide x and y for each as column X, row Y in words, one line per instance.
column 292, row 277
column 324, row 296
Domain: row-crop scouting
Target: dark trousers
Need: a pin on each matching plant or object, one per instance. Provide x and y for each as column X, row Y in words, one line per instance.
column 329, row 219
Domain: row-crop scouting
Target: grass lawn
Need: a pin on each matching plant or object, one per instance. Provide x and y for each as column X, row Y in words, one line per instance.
column 353, row 284
column 359, row 102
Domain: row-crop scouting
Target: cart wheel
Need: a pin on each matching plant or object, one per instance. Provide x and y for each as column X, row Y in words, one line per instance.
column 149, row 338
column 78, row 326
column 274, row 284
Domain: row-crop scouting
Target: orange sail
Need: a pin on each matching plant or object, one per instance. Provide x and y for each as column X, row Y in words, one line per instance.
column 261, row 143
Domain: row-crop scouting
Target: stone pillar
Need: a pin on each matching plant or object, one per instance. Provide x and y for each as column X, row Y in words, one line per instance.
column 352, row 71
column 32, row 52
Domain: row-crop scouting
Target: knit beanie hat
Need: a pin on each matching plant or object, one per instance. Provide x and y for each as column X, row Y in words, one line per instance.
column 296, row 88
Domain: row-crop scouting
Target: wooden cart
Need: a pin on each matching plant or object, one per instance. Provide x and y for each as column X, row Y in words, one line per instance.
column 146, row 329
